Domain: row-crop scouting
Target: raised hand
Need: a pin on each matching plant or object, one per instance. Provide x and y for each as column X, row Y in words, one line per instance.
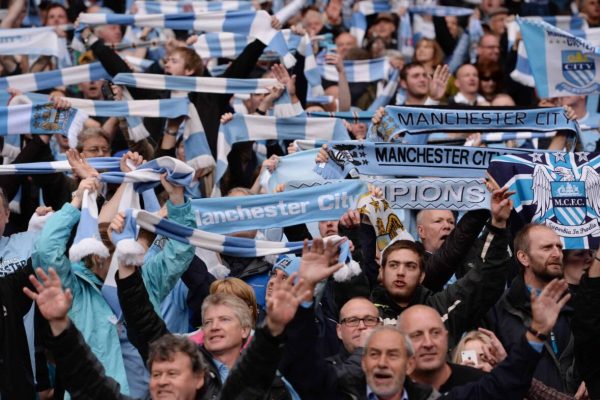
column 283, row 76
column 439, row 81
column 501, row 206
column 283, row 303
column 319, row 261
column 175, row 191
column 130, row 161
column 495, row 352
column 546, row 307
column 90, row 184
column 79, row 165
column 52, row 301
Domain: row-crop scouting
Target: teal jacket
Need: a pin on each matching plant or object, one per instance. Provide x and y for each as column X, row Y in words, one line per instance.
column 90, row 312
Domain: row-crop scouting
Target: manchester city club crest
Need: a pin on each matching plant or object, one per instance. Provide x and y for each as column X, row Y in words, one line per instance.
column 579, row 71
column 567, row 199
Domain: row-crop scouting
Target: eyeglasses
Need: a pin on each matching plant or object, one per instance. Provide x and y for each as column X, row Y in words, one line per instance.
column 353, row 322
column 486, row 78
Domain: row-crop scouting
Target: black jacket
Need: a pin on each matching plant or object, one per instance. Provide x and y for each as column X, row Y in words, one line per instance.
column 16, row 376
column 210, row 106
column 465, row 302
column 144, row 326
column 509, row 319
column 450, row 258
column 586, row 330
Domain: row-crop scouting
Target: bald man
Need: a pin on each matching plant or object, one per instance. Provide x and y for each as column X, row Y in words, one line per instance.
column 390, row 355
column 429, row 337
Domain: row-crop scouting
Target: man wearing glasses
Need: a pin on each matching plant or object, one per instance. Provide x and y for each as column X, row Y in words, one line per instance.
column 315, row 376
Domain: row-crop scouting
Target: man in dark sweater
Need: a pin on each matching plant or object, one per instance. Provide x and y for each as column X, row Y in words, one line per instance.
column 429, row 337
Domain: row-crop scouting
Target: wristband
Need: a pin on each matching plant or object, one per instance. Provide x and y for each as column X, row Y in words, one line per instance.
column 168, row 132
column 259, row 111
column 537, row 334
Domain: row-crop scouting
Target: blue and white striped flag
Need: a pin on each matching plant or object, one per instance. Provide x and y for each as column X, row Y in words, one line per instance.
column 178, row 7
column 358, row 70
column 562, row 64
column 31, row 41
column 243, row 128
column 51, row 79
column 248, row 23
column 229, row 245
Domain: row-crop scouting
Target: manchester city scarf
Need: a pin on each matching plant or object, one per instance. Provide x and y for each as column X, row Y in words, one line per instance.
column 424, row 120
column 235, row 214
column 560, row 190
column 41, row 119
column 459, row 194
column 51, row 79
column 392, row 159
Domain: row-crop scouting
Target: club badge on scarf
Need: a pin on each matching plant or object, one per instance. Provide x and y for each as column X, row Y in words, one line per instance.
column 384, row 220
column 559, row 190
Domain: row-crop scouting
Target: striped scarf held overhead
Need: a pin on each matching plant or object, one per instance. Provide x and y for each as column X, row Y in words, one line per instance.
column 248, row 23
column 34, row 82
column 244, row 128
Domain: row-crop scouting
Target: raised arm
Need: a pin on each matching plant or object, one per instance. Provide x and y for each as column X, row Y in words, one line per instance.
column 81, row 372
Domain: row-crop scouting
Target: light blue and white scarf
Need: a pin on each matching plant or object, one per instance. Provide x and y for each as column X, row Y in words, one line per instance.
column 385, row 91
column 41, row 119
column 391, row 159
column 31, row 41
column 235, row 214
column 440, row 11
column 87, row 238
column 459, row 194
column 197, row 7
column 229, row 245
column 147, row 176
column 358, row 70
column 51, row 79
column 562, row 64
column 248, row 23
column 423, row 120
column 243, row 128
column 99, row 163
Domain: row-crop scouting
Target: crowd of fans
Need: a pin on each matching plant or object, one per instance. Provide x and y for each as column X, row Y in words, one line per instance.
column 469, row 310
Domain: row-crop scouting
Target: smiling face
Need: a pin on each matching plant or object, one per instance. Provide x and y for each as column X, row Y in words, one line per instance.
column 223, row 330
column 174, row 379
column 386, row 362
column 427, row 333
column 416, row 82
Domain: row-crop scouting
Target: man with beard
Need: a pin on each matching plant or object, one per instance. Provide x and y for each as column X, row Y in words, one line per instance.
column 539, row 251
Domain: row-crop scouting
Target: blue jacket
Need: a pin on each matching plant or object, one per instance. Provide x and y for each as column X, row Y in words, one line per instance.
column 90, row 312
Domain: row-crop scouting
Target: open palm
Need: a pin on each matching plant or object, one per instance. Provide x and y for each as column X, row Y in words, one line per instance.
column 52, row 301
